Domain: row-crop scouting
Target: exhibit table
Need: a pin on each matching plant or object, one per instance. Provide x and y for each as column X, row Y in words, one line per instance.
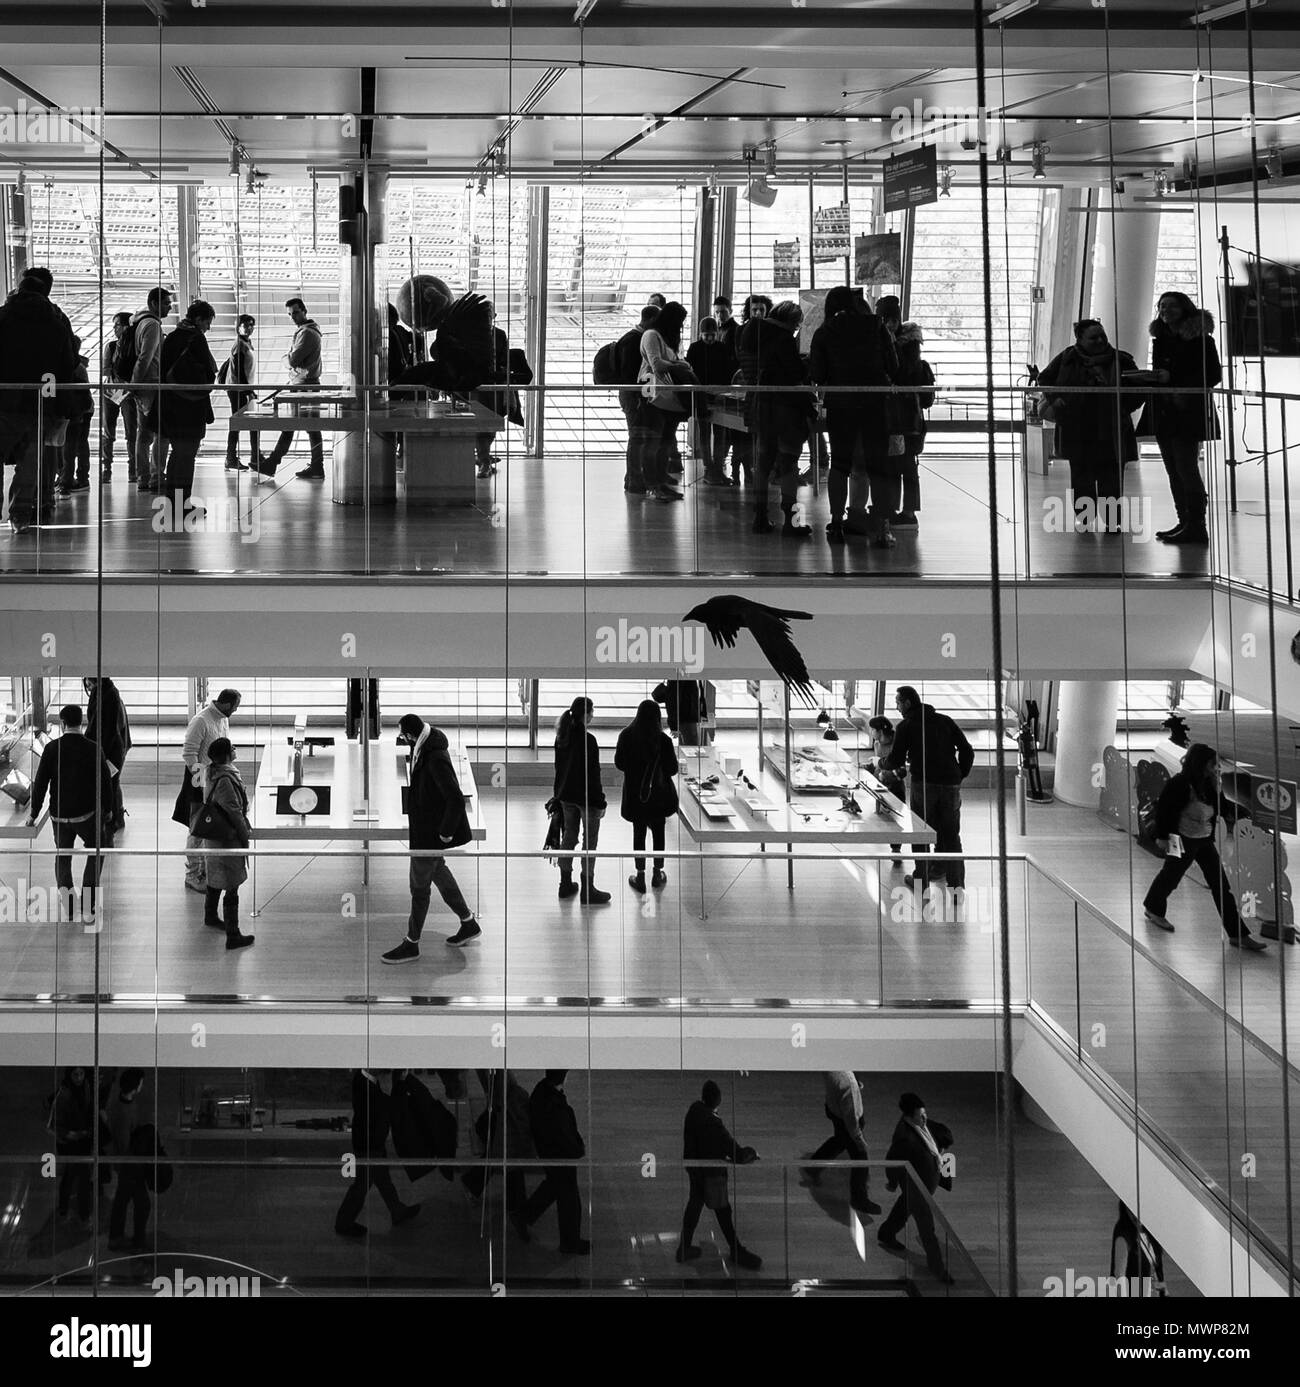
column 440, row 464
column 13, row 821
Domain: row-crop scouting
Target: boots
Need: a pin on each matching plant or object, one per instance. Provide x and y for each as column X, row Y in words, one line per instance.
column 790, row 529
column 637, row 882
column 210, row 916
column 855, row 522
column 589, row 894
column 234, row 940
column 568, row 887
column 762, row 525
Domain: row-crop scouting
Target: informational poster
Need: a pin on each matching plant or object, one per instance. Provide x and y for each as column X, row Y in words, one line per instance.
column 813, row 303
column 878, row 259
column 911, row 179
column 785, row 264
column 830, row 240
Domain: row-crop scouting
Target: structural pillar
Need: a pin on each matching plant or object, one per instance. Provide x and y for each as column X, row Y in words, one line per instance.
column 1086, row 717
column 1124, row 275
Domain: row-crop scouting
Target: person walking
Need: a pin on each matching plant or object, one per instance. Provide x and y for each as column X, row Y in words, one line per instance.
column 852, row 350
column 304, row 361
column 504, row 1128
column 714, row 363
column 1187, row 813
column 582, row 799
column 938, row 758
column 913, row 370
column 74, row 1121
column 225, row 875
column 185, row 411
column 140, row 353
column 648, row 760
column 778, row 421
column 844, row 1108
column 128, row 1110
column 203, row 729
column 1094, row 427
column 914, row 1143
column 556, row 1137
column 115, row 402
column 705, row 1138
column 371, row 1117
column 79, row 406
column 239, row 370
column 437, row 821
column 75, row 774
column 35, row 348
column 662, row 370
column 108, row 725
column 1183, row 357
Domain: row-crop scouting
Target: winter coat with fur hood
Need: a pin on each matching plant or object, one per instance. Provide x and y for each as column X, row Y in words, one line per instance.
column 1188, row 353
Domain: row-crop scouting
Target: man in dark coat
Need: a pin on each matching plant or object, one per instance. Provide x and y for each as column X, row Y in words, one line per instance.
column 371, row 1114
column 705, row 1138
column 935, row 751
column 913, row 1142
column 556, row 1137
column 182, row 415
column 436, row 812
column 108, row 725
column 75, row 774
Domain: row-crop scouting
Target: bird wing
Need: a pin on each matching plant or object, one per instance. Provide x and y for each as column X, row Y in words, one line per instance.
column 464, row 342
column 748, row 608
column 772, row 632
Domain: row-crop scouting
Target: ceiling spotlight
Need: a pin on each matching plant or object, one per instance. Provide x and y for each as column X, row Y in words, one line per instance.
column 1273, row 163
column 482, row 185
column 945, row 181
column 1117, row 185
column 769, row 159
column 250, row 180
column 823, row 718
column 232, row 165
column 761, row 193
column 1003, row 156
column 830, row 735
column 1039, row 158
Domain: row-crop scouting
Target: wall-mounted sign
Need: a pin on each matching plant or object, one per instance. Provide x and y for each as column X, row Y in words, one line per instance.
column 785, row 264
column 911, row 179
column 878, row 259
column 830, row 236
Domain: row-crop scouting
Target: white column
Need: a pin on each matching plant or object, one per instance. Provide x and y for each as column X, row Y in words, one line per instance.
column 1124, row 276
column 1086, row 714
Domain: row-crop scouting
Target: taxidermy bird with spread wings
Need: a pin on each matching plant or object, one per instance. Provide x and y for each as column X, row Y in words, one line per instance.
column 770, row 626
column 460, row 355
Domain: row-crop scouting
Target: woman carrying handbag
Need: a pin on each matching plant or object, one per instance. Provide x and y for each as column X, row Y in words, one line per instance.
column 223, row 823
column 662, row 406
column 646, row 756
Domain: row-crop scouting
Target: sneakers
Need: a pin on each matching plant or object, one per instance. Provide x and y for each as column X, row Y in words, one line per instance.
column 667, row 494
column 468, row 932
column 659, row 880
column 1249, row 943
column 406, row 952
column 311, row 474
column 234, row 465
column 240, row 941
column 1159, row 921
column 592, row 895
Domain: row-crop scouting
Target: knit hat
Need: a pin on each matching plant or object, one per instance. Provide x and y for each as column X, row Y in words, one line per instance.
column 909, row 1102
column 909, row 332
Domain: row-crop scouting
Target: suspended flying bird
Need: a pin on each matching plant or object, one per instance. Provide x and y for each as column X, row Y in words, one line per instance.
column 770, row 626
column 460, row 357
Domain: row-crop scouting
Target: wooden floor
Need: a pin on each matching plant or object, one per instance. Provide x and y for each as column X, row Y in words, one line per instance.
column 566, row 516
column 276, row 1219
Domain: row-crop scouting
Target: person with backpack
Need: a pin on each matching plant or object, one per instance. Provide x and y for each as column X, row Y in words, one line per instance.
column 139, row 357
column 116, row 403
column 80, row 408
column 238, row 370
column 714, row 363
column 646, row 756
column 184, row 413
column 304, row 361
column 617, row 363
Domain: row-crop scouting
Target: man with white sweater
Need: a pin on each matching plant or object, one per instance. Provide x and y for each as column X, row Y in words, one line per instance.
column 204, row 728
column 304, row 362
column 844, row 1108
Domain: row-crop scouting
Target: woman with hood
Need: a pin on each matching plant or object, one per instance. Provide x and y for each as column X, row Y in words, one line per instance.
column 108, row 725
column 1094, row 430
column 1183, row 357
column 227, row 795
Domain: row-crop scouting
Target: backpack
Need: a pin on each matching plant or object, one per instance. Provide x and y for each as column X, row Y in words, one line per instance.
column 604, row 366
column 127, row 353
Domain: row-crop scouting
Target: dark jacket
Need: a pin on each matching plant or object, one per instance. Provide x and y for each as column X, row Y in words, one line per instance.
column 769, row 355
column 910, row 405
column 683, row 700
column 371, row 1115
column 577, row 773
column 635, row 760
column 72, row 769
column 226, row 791
column 932, row 747
column 728, row 333
column 627, row 355
column 705, row 1137
column 854, row 349
column 1188, row 353
column 74, row 1116
column 34, row 343
column 437, row 803
column 908, row 1145
column 107, row 722
column 713, row 362
column 1092, row 425
column 240, row 368
column 508, row 368
column 185, row 352
column 554, row 1125
column 80, row 404
column 1176, row 796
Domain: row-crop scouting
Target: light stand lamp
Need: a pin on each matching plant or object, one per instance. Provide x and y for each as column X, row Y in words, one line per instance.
column 1038, row 157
